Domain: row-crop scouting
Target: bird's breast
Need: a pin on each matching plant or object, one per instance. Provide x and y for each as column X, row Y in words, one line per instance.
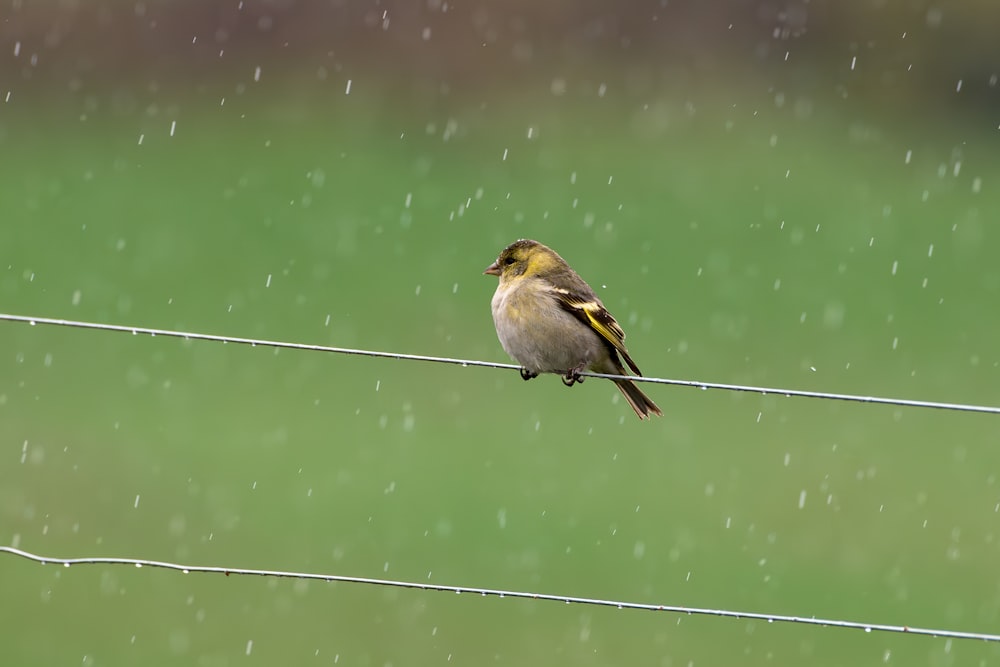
column 539, row 334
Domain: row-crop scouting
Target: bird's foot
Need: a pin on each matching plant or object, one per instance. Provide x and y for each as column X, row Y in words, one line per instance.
column 573, row 376
column 527, row 375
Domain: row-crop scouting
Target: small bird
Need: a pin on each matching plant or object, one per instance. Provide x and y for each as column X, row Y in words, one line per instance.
column 550, row 321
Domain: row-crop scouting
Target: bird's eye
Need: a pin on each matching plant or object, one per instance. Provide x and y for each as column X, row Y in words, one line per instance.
column 508, row 260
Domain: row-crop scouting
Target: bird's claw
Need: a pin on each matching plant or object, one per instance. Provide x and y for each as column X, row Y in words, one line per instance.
column 527, row 375
column 572, row 377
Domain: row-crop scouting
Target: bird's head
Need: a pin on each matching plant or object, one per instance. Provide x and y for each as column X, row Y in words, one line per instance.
column 524, row 258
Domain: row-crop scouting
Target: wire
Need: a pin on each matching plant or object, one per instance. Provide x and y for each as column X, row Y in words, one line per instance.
column 491, row 592
column 677, row 609
column 188, row 335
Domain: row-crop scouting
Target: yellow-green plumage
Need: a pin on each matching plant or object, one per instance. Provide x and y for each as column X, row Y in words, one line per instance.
column 549, row 320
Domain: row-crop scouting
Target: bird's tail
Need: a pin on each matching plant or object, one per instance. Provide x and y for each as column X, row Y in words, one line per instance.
column 642, row 404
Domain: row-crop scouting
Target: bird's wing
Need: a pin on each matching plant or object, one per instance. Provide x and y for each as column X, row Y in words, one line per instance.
column 589, row 310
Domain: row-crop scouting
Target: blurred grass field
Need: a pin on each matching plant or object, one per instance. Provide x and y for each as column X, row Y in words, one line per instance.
column 807, row 243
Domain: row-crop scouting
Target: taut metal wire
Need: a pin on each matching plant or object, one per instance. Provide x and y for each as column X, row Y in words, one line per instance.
column 698, row 384
column 492, row 592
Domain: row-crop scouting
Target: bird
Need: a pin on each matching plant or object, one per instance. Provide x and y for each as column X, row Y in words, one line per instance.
column 549, row 320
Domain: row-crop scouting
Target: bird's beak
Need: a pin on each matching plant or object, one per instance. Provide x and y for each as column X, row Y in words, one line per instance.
column 492, row 270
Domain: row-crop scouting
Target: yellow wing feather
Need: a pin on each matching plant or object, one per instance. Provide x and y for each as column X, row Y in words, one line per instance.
column 594, row 314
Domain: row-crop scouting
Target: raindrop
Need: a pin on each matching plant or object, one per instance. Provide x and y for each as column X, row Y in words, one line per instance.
column 347, row 91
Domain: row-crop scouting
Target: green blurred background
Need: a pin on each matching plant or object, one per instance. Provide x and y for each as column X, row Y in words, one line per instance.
column 797, row 195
